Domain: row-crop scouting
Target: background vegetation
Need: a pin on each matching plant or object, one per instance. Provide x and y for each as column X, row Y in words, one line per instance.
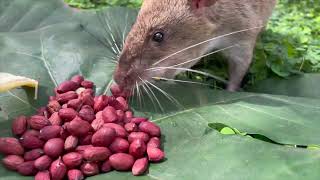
column 290, row 44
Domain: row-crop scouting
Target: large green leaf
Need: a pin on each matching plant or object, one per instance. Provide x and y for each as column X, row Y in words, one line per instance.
column 306, row 85
column 49, row 42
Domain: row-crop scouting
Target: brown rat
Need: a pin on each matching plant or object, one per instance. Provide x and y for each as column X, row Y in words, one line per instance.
column 164, row 28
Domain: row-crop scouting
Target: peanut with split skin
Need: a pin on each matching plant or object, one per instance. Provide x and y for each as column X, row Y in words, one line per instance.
column 75, row 174
column 58, row 169
column 71, row 143
column 90, row 168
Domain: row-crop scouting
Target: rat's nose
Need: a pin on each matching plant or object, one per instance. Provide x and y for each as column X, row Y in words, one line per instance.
column 119, row 76
column 126, row 78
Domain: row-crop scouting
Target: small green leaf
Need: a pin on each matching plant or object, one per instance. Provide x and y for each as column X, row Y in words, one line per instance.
column 227, row 131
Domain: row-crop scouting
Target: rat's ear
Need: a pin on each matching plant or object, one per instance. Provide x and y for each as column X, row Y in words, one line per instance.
column 198, row 4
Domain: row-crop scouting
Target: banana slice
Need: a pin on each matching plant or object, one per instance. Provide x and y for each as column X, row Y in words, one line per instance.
column 10, row 81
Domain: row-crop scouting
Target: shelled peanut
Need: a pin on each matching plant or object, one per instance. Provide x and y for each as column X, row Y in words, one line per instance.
column 79, row 135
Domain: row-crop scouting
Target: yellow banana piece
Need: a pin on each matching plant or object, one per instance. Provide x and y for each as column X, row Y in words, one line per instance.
column 10, row 81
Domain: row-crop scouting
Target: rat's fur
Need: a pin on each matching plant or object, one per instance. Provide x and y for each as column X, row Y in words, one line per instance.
column 184, row 24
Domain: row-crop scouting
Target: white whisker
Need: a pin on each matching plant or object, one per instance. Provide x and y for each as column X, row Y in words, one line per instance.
column 181, row 81
column 112, row 36
column 155, row 97
column 203, row 42
column 172, row 99
column 132, row 92
column 125, row 29
column 195, row 59
column 195, row 71
column 139, row 95
column 103, row 23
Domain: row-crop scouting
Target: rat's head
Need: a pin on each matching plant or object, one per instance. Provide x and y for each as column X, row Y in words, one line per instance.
column 162, row 28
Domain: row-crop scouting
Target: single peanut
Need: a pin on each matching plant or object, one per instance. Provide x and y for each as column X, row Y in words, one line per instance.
column 97, row 124
column 155, row 154
column 67, row 114
column 100, row 103
column 128, row 115
column 11, row 162
column 140, row 166
column 42, row 175
column 58, row 170
column 154, row 142
column 131, row 127
column 78, row 127
column 43, row 163
column 67, row 86
column 121, row 161
column 27, row 168
column 138, row 135
column 55, row 119
column 30, row 141
column 109, row 114
column 38, row 122
column 90, row 168
column 77, row 79
column 75, row 104
column 138, row 120
column 71, row 143
column 53, row 106
column 137, row 148
column 96, row 153
column 50, row 132
column 120, row 131
column 123, row 102
column 19, row 125
column 87, row 84
column 33, row 154
column 87, row 113
column 151, row 128
column 72, row 159
column 75, row 174
column 65, row 97
column 54, row 147
column 106, row 167
column 87, row 99
column 103, row 137
column 119, row 145
column 10, row 146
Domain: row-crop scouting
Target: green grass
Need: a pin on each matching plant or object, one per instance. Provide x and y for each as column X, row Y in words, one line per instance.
column 290, row 44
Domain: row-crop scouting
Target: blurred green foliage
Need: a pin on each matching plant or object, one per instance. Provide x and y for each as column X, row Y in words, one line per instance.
column 89, row 4
column 290, row 44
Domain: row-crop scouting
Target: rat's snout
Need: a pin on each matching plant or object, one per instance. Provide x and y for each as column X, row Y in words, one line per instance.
column 125, row 75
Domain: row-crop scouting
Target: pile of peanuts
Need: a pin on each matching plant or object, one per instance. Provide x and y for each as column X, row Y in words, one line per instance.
column 79, row 134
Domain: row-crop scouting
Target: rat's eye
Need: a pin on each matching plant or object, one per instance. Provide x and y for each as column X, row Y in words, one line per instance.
column 158, row 37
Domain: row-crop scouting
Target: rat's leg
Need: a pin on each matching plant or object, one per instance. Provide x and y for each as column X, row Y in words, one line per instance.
column 239, row 60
